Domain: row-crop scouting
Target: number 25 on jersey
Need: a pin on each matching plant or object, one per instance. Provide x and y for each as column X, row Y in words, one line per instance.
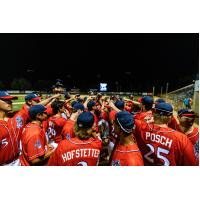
column 157, row 152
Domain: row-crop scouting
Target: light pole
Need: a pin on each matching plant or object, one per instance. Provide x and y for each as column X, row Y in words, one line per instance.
column 116, row 86
column 161, row 91
column 167, row 85
column 153, row 90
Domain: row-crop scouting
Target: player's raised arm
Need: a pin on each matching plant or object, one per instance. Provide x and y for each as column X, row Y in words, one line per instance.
column 134, row 102
column 68, row 100
column 112, row 105
column 50, row 99
column 87, row 100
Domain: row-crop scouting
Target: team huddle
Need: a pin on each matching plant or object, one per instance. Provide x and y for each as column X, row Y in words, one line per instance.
column 96, row 130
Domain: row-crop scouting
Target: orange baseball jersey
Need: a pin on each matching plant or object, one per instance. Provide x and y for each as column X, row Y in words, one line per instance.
column 193, row 136
column 147, row 116
column 112, row 115
column 104, row 115
column 129, row 155
column 49, row 110
column 45, row 125
column 9, row 143
column 68, row 129
column 24, row 112
column 96, row 121
column 163, row 146
column 76, row 152
column 18, row 122
column 33, row 143
column 55, row 126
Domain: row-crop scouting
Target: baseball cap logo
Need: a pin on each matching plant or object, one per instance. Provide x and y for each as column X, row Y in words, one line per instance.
column 80, row 125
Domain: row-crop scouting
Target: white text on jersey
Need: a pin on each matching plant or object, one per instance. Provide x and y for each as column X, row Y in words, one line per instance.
column 159, row 139
column 80, row 153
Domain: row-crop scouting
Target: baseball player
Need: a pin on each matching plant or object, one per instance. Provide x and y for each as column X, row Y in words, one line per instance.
column 35, row 150
column 56, row 123
column 91, row 105
column 9, row 132
column 126, row 152
column 186, row 119
column 146, row 106
column 83, row 150
column 68, row 129
column 161, row 145
column 31, row 100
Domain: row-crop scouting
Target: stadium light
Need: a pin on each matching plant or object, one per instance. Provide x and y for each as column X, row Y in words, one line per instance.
column 167, row 85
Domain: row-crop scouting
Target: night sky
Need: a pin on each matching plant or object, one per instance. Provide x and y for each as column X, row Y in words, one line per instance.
column 134, row 62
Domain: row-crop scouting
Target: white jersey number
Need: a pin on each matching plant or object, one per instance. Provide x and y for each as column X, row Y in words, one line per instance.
column 51, row 133
column 158, row 154
column 82, row 163
column 4, row 143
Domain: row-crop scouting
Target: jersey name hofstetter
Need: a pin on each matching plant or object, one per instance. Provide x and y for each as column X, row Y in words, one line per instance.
column 80, row 153
column 158, row 139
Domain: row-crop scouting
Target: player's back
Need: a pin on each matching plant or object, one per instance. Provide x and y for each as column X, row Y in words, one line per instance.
column 147, row 116
column 76, row 152
column 163, row 145
column 55, row 126
column 128, row 155
column 68, row 131
column 33, row 142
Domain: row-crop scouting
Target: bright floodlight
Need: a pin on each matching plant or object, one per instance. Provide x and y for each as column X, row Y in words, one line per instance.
column 103, row 87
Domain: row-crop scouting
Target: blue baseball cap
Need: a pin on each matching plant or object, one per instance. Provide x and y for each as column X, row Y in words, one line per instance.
column 73, row 102
column 37, row 109
column 78, row 106
column 119, row 104
column 32, row 96
column 164, row 108
column 85, row 120
column 147, row 100
column 67, row 95
column 90, row 104
column 4, row 95
column 125, row 120
column 80, row 100
column 160, row 101
column 186, row 113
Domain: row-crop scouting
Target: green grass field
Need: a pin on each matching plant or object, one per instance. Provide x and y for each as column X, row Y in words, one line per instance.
column 17, row 104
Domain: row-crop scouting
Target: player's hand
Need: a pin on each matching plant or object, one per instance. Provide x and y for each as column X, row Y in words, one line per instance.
column 56, row 96
column 50, row 147
column 111, row 104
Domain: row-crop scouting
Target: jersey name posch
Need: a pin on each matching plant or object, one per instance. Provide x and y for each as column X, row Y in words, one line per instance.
column 80, row 153
column 159, row 139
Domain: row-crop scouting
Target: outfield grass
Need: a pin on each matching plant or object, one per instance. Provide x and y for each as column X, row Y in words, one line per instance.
column 17, row 106
column 20, row 99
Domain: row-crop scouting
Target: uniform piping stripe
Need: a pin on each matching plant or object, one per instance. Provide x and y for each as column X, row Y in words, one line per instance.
column 10, row 138
column 36, row 155
column 159, row 130
column 79, row 143
column 128, row 151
